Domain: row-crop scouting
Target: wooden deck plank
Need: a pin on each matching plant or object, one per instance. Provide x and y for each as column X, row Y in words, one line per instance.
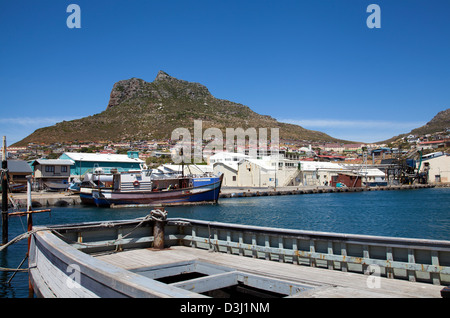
column 329, row 283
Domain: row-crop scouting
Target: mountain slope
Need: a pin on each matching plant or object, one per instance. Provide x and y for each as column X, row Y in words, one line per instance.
column 139, row 110
column 437, row 124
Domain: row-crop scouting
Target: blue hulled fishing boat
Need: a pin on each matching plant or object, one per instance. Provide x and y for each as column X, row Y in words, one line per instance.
column 143, row 187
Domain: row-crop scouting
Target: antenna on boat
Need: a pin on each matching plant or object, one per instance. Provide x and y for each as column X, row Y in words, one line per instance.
column 4, row 175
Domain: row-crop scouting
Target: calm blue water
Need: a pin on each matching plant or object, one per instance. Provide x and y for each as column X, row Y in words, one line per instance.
column 421, row 213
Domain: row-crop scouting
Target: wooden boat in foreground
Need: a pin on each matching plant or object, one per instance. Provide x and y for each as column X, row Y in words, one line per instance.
column 183, row 258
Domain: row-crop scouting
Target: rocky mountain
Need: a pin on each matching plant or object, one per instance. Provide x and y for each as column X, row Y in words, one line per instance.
column 140, row 110
column 438, row 123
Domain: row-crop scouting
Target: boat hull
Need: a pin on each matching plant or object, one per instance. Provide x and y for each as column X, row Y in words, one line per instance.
column 72, row 261
column 86, row 198
column 203, row 190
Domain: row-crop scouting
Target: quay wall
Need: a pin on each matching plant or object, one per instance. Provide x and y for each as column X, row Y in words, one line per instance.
column 47, row 199
column 299, row 190
column 42, row 199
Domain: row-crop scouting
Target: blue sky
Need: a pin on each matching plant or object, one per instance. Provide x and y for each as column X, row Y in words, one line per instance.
column 314, row 63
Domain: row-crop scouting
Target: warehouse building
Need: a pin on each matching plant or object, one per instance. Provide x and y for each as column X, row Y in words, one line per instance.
column 88, row 162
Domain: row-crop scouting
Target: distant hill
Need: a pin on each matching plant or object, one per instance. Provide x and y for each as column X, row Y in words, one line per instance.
column 140, row 110
column 438, row 123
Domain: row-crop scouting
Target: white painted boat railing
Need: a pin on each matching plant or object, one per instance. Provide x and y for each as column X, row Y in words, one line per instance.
column 402, row 258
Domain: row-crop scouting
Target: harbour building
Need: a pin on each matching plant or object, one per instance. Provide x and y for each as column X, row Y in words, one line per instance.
column 88, row 162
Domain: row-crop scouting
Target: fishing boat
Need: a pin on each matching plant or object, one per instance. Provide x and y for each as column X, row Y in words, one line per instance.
column 74, row 186
column 16, row 187
column 156, row 256
column 143, row 187
column 100, row 178
column 56, row 186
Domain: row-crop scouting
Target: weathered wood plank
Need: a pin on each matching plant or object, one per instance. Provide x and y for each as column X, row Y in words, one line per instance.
column 331, row 283
column 242, row 248
column 103, row 279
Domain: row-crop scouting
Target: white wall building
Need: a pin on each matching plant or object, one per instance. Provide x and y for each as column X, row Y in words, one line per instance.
column 243, row 171
column 438, row 164
column 317, row 173
column 188, row 169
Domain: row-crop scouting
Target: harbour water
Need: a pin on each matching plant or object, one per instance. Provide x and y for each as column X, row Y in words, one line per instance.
column 419, row 213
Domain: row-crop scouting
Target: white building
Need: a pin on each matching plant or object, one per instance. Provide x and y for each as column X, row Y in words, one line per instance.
column 438, row 165
column 227, row 163
column 317, row 173
column 308, row 151
column 373, row 177
column 243, row 171
column 227, row 157
column 189, row 169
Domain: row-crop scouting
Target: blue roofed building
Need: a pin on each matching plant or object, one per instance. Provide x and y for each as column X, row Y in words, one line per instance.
column 87, row 162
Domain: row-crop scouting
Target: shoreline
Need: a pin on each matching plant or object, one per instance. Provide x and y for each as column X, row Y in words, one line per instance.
column 251, row 192
column 60, row 199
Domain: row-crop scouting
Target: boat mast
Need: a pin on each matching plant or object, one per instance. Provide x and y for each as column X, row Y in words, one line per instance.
column 182, row 162
column 4, row 176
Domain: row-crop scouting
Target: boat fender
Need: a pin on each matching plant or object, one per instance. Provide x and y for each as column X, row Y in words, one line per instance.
column 136, row 183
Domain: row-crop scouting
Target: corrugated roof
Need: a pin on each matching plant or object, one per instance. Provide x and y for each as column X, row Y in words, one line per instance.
column 98, row 157
column 314, row 165
column 54, row 162
column 266, row 165
column 19, row 166
column 230, row 164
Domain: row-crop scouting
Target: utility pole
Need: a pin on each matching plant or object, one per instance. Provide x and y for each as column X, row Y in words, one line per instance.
column 4, row 175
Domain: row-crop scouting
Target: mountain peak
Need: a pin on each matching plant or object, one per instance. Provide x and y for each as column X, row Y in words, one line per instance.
column 124, row 88
column 162, row 76
column 140, row 110
column 163, row 87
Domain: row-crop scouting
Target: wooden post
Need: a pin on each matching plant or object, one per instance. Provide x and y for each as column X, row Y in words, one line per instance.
column 4, row 194
column 158, row 234
column 159, row 219
column 29, row 193
column 29, row 228
column 29, row 215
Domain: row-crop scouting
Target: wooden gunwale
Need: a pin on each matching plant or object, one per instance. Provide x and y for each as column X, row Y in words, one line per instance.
column 282, row 245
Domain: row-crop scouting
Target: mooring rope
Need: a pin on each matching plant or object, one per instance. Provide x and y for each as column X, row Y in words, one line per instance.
column 158, row 215
column 17, row 239
column 155, row 215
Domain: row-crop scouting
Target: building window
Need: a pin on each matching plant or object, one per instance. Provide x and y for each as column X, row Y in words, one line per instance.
column 234, row 178
column 49, row 168
column 63, row 168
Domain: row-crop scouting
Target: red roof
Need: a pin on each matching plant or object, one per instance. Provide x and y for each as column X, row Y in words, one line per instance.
column 331, row 157
column 434, row 142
